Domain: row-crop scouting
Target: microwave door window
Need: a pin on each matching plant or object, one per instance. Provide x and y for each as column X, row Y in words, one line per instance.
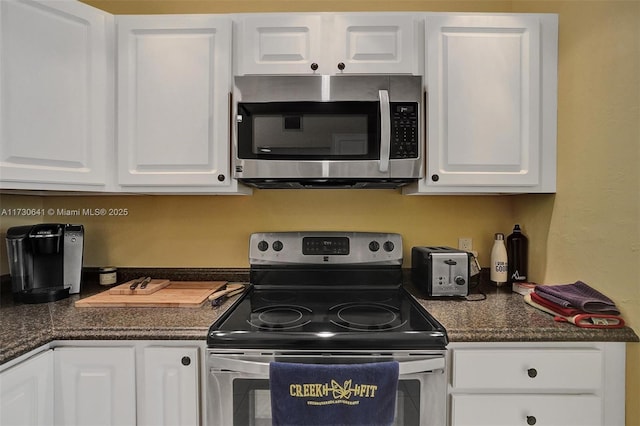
column 313, row 135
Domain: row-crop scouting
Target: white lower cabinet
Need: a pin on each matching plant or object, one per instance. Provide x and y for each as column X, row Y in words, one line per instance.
column 26, row 392
column 537, row 384
column 104, row 383
column 510, row 410
column 170, row 386
column 95, row 386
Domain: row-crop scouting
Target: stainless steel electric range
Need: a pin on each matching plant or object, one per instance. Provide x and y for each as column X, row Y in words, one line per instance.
column 324, row 297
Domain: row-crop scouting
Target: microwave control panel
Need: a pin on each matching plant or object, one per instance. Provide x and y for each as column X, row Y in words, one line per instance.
column 404, row 130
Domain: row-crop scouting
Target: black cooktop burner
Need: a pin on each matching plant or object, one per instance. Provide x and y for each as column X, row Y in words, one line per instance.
column 327, row 319
column 367, row 316
column 279, row 317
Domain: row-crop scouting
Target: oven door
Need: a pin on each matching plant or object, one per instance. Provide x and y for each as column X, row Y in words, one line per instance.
column 238, row 385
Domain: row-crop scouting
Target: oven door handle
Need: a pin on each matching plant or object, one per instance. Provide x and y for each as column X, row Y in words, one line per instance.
column 422, row 366
column 262, row 368
column 385, row 131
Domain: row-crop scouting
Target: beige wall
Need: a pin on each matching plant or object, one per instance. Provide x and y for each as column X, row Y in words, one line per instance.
column 589, row 230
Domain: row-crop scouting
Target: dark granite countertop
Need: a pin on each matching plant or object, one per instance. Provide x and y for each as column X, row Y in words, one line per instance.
column 503, row 316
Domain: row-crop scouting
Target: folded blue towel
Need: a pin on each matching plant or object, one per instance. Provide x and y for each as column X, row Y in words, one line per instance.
column 333, row 394
column 580, row 296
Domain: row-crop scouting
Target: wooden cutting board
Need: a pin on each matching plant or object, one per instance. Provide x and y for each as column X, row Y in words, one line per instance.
column 178, row 294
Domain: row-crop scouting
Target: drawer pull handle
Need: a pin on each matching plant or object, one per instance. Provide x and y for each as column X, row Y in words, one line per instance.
column 531, row 420
column 532, row 372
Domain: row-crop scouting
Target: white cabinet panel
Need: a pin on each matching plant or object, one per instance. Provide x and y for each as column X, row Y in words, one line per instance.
column 56, row 94
column 528, row 369
column 542, row 383
column 173, row 100
column 510, row 410
column 95, row 386
column 279, row 44
column 327, row 43
column 26, row 392
column 374, row 44
column 484, row 99
column 491, row 83
column 170, row 386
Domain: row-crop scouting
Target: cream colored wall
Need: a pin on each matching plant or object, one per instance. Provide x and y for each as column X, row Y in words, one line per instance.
column 589, row 230
column 213, row 231
column 593, row 233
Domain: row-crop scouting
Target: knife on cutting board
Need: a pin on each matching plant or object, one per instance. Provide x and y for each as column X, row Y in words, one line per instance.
column 136, row 283
column 144, row 283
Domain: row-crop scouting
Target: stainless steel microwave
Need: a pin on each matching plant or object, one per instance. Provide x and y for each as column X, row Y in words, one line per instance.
column 328, row 131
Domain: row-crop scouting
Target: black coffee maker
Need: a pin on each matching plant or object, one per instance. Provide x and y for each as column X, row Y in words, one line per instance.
column 45, row 261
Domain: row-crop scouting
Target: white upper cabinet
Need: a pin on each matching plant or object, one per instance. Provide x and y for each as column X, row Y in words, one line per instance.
column 491, row 83
column 354, row 43
column 174, row 78
column 56, row 95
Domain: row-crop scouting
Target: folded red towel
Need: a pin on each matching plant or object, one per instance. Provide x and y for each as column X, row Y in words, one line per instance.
column 560, row 310
column 584, row 320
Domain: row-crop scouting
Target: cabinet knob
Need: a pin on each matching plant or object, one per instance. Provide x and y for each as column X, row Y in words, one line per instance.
column 532, row 372
column 531, row 420
column 435, row 178
column 221, row 178
column 314, row 66
column 341, row 66
column 185, row 360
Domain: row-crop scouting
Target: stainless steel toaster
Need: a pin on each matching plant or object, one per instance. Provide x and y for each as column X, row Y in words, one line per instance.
column 441, row 271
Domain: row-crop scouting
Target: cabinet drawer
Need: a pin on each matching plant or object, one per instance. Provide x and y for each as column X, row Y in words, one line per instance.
column 510, row 410
column 535, row 369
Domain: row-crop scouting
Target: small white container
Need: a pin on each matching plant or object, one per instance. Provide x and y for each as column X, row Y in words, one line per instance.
column 499, row 261
column 108, row 275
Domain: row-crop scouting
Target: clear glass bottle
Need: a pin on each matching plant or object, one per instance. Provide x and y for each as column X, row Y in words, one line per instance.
column 499, row 262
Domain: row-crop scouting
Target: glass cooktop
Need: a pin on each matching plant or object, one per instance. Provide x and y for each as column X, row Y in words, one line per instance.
column 327, row 319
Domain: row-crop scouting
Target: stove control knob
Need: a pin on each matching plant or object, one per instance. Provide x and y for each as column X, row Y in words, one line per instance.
column 460, row 280
column 263, row 245
column 277, row 245
column 374, row 246
column 388, row 246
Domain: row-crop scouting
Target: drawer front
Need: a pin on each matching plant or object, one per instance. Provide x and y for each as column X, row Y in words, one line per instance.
column 539, row 410
column 535, row 369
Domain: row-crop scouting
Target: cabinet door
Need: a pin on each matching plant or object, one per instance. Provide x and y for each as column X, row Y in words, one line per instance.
column 95, row 386
column 374, row 44
column 56, row 95
column 484, row 87
column 26, row 392
column 170, row 386
column 280, row 44
column 173, row 101
column 509, row 410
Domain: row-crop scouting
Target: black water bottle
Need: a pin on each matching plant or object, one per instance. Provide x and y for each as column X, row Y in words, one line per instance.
column 517, row 256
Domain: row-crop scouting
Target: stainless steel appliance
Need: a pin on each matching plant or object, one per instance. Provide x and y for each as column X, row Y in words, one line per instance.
column 328, row 131
column 441, row 271
column 331, row 298
column 45, row 261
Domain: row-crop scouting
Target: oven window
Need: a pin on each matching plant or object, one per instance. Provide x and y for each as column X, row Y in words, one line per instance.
column 309, row 130
column 252, row 403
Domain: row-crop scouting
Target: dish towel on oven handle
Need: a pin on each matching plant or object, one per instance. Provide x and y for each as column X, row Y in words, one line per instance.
column 333, row 394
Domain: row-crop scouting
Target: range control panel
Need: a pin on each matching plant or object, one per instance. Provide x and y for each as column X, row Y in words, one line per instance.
column 318, row 247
